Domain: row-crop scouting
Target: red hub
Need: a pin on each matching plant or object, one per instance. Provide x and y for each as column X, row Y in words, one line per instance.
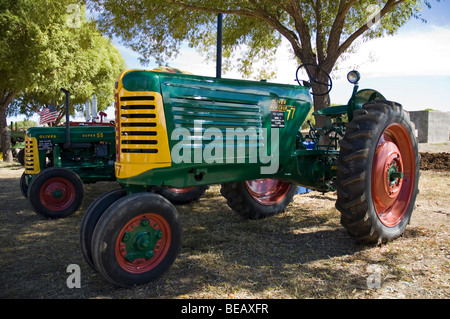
column 393, row 174
column 143, row 243
column 267, row 191
column 57, row 194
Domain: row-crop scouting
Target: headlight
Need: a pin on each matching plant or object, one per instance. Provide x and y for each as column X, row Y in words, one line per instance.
column 353, row 76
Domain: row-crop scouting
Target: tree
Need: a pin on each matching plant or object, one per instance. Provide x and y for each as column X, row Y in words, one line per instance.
column 43, row 49
column 80, row 60
column 21, row 38
column 319, row 31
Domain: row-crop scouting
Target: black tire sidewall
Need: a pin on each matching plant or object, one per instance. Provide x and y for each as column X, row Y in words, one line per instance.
column 388, row 233
column 181, row 198
column 355, row 170
column 23, row 185
column 90, row 219
column 21, row 157
column 111, row 223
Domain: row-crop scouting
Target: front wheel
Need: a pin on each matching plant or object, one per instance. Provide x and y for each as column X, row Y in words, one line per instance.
column 377, row 173
column 23, row 183
column 136, row 240
column 56, row 193
column 91, row 218
column 258, row 198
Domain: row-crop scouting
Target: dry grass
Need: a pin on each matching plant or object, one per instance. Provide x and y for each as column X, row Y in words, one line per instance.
column 302, row 253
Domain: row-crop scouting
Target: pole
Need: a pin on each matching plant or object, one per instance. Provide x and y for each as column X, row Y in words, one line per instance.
column 67, row 143
column 219, row 46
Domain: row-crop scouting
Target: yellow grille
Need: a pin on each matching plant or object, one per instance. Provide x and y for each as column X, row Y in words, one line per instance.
column 31, row 156
column 142, row 133
column 137, row 124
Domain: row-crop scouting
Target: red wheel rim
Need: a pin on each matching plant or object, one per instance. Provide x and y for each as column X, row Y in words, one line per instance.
column 393, row 174
column 181, row 190
column 57, row 194
column 267, row 191
column 143, row 243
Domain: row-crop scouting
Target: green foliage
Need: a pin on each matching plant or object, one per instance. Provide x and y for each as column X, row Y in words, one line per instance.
column 157, row 28
column 318, row 31
column 24, row 125
column 45, row 51
column 44, row 45
column 80, row 60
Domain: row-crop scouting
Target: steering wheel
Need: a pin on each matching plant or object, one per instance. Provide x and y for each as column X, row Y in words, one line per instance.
column 315, row 72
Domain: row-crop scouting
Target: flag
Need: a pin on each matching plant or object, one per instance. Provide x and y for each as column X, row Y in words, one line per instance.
column 48, row 115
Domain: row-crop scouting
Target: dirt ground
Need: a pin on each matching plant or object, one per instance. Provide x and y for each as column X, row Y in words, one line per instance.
column 302, row 253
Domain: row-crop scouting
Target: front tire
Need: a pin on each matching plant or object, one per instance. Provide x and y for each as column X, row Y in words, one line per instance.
column 23, row 183
column 90, row 219
column 377, row 173
column 21, row 157
column 136, row 240
column 56, row 193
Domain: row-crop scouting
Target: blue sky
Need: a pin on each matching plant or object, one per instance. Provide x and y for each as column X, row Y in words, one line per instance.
column 411, row 67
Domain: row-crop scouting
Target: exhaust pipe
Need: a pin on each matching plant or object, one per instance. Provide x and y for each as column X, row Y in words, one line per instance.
column 94, row 108
column 219, row 46
column 67, row 144
column 88, row 110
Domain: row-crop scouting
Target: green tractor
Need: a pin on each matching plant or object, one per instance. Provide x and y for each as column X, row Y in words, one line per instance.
column 182, row 130
column 60, row 160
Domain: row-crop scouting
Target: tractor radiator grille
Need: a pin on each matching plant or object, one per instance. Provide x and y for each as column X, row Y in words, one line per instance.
column 138, row 133
column 31, row 156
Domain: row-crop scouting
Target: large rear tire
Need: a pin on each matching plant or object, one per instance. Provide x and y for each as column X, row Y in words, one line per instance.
column 136, row 240
column 181, row 196
column 377, row 173
column 258, row 198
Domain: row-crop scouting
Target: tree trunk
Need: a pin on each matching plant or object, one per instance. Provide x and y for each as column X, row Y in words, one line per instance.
column 321, row 98
column 6, row 139
column 321, row 102
column 4, row 132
